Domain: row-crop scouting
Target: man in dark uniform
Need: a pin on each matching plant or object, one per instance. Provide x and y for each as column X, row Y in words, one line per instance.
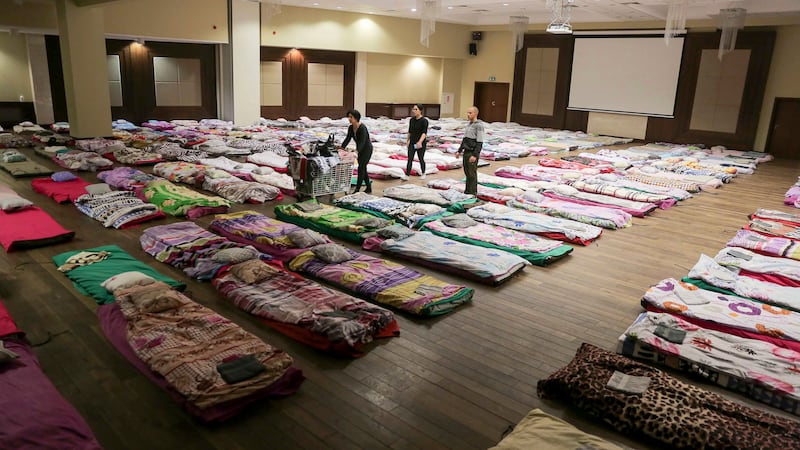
column 471, row 147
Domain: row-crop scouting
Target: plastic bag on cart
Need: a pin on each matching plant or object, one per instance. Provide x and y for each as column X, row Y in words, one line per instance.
column 327, row 148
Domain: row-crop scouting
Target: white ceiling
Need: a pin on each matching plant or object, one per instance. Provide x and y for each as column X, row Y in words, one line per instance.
column 489, row 12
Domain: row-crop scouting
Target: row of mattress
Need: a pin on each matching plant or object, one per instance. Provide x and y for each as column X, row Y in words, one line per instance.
column 730, row 322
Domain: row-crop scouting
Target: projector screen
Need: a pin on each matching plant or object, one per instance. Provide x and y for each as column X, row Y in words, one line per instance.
column 630, row 74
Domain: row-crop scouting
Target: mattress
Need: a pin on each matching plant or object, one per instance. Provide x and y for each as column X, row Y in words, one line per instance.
column 730, row 314
column 187, row 343
column 87, row 279
column 599, row 216
column 386, row 283
column 486, row 265
column 751, row 367
column 538, row 430
column 407, row 213
column 264, row 233
column 534, row 249
column 539, row 224
column 774, row 228
column 766, row 245
column 452, row 200
column 25, row 169
column 181, row 201
column 781, row 271
column 37, row 416
column 331, row 220
column 632, row 207
column 663, row 201
column 60, row 191
column 705, row 420
column 30, row 227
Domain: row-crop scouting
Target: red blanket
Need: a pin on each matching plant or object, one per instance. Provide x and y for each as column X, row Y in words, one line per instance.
column 7, row 325
column 60, row 191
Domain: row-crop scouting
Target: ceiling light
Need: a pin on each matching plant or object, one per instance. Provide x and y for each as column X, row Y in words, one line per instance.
column 559, row 28
column 449, row 7
column 561, row 14
column 338, row 7
column 505, row 4
column 413, row 9
column 315, row 4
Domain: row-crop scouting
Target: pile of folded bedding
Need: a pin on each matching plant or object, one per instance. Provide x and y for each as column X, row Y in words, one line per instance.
column 82, row 161
column 118, row 209
column 126, row 178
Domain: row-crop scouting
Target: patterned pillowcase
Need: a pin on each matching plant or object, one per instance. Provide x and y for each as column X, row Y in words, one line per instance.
column 63, row 176
column 397, row 232
column 235, row 255
column 332, row 253
column 305, row 238
column 253, row 271
column 125, row 280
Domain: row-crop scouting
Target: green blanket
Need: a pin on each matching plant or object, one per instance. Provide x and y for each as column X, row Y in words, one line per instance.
column 88, row 279
column 330, row 220
column 178, row 200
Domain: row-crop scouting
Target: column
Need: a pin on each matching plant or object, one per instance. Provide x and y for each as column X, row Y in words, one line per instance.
column 241, row 64
column 360, row 100
column 40, row 78
column 83, row 54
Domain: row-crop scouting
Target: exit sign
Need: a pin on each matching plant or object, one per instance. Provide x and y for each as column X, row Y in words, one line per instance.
column 492, row 78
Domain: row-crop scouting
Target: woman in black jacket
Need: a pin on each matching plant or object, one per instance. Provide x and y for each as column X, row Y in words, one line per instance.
column 359, row 133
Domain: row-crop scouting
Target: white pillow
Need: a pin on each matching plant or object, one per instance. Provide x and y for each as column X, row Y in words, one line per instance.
column 571, row 176
column 607, row 177
column 563, row 189
column 14, row 203
column 533, row 196
column 511, row 191
column 127, row 279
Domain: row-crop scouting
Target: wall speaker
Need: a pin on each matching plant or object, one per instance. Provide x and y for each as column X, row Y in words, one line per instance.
column 477, row 35
column 473, row 49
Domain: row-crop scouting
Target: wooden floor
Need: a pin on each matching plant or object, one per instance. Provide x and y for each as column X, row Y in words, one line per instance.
column 454, row 382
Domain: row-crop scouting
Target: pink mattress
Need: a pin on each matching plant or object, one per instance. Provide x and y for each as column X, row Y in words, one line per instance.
column 30, row 227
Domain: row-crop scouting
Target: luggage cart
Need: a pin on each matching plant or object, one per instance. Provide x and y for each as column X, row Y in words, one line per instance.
column 310, row 182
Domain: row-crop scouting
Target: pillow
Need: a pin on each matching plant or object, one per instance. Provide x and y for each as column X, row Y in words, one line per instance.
column 372, row 222
column 572, row 176
column 253, row 271
column 14, row 203
column 563, row 189
column 263, row 170
column 394, row 232
column 13, row 156
column 306, row 238
column 495, row 208
column 125, row 280
column 6, row 355
column 63, row 176
column 160, row 302
column 308, row 206
column 459, row 221
column 510, row 191
column 332, row 253
column 533, row 196
column 235, row 255
column 610, row 177
column 97, row 189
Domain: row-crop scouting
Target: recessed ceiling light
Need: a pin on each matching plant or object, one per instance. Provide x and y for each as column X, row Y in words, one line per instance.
column 449, row 7
column 338, row 7
column 505, row 4
column 370, row 12
column 316, row 4
column 413, row 9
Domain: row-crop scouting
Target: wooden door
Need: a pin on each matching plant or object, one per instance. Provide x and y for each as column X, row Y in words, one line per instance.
column 492, row 101
column 783, row 140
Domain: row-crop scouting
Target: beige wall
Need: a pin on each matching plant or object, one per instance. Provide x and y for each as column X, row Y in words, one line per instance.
column 332, row 30
column 784, row 77
column 172, row 20
column 495, row 59
column 451, row 83
column 403, row 79
column 168, row 20
column 15, row 79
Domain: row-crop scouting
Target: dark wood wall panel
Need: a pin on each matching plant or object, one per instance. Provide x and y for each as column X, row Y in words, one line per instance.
column 295, row 82
column 402, row 110
column 677, row 129
column 12, row 113
column 138, row 87
column 560, row 117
